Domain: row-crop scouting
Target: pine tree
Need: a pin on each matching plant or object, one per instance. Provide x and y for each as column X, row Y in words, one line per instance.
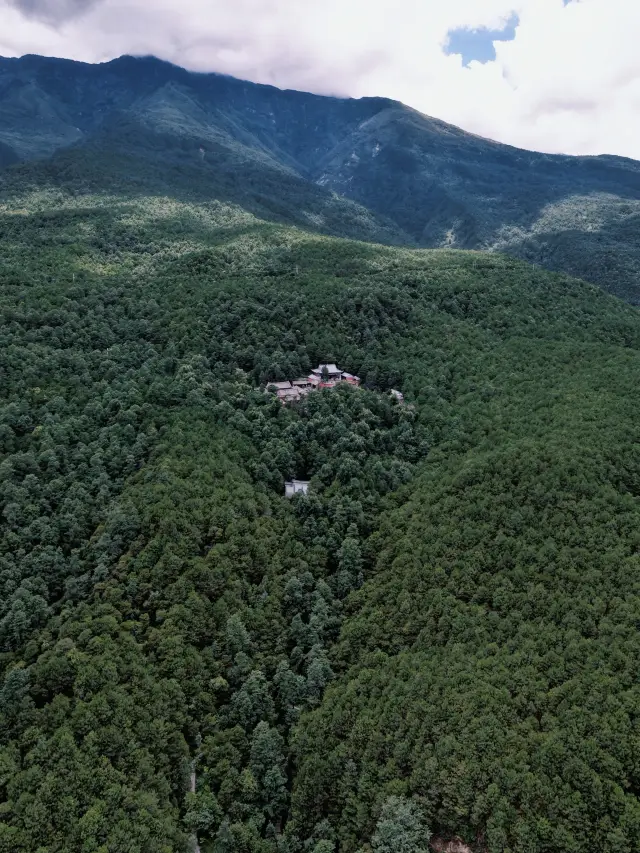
column 401, row 828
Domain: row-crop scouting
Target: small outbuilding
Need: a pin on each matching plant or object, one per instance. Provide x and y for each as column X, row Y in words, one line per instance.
column 286, row 392
column 289, row 395
column 397, row 395
column 351, row 379
column 296, row 487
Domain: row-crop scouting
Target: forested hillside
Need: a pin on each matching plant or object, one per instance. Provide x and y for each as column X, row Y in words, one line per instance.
column 372, row 168
column 440, row 638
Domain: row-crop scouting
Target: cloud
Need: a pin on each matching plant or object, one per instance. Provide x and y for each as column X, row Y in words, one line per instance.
column 52, row 11
column 569, row 79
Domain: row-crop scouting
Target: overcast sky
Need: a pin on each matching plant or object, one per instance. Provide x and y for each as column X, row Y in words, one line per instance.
column 549, row 75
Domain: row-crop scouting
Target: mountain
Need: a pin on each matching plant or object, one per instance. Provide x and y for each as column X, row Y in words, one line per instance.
column 436, row 649
column 369, row 168
column 7, row 156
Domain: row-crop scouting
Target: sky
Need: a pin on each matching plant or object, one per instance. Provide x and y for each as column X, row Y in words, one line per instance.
column 549, row 75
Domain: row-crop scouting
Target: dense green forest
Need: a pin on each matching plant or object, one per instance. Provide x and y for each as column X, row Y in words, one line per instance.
column 440, row 640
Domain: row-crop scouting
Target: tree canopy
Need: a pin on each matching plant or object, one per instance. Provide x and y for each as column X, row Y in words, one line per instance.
column 441, row 637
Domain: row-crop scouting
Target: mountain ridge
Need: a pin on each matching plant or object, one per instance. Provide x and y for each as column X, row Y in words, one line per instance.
column 369, row 168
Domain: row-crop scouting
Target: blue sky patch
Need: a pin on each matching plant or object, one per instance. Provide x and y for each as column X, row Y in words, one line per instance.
column 478, row 44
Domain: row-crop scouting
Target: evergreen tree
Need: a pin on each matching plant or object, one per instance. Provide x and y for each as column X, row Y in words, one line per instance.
column 401, row 828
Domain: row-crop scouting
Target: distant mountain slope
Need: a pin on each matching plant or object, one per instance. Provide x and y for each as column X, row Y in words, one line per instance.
column 369, row 168
column 446, row 187
column 7, row 156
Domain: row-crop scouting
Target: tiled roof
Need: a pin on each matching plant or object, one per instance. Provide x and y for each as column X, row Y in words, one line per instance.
column 331, row 368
